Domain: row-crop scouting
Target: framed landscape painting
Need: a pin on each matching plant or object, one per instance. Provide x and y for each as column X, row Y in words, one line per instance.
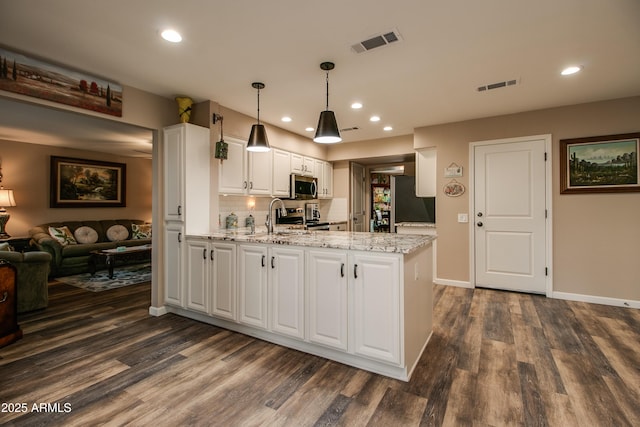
column 79, row 183
column 600, row 164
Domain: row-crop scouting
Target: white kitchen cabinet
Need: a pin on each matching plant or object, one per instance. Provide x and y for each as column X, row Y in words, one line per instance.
column 302, row 165
column 327, row 283
column 222, row 279
column 426, row 172
column 338, row 226
column 281, row 173
column 197, row 275
column 286, row 289
column 324, row 173
column 173, row 268
column 376, row 306
column 186, row 152
column 243, row 172
column 252, row 285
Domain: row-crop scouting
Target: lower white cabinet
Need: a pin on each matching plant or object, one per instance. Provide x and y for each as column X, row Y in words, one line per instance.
column 197, row 275
column 286, row 291
column 173, row 263
column 223, row 283
column 252, row 285
column 376, row 306
column 328, row 298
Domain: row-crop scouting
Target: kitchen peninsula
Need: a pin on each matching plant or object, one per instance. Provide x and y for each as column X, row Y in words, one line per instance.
column 362, row 299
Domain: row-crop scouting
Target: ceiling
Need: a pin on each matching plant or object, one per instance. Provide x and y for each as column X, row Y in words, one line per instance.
column 448, row 48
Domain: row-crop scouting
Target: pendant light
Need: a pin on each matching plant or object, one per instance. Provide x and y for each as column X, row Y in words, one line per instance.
column 327, row 131
column 258, row 138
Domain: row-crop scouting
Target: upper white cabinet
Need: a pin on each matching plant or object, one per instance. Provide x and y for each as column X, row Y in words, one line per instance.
column 245, row 172
column 324, row 173
column 281, row 173
column 186, row 151
column 302, row 165
column 426, row 172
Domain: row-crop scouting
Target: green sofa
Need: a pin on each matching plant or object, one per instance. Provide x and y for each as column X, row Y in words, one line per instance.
column 73, row 258
column 32, row 269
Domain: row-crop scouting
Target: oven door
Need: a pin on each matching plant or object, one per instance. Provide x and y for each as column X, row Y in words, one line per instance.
column 303, row 187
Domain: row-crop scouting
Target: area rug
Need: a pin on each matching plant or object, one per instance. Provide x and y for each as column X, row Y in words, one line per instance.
column 122, row 276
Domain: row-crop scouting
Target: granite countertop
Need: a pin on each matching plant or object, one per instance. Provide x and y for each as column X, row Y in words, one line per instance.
column 416, row 224
column 375, row 242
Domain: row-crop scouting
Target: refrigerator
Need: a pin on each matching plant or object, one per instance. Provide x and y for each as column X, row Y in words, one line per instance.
column 406, row 206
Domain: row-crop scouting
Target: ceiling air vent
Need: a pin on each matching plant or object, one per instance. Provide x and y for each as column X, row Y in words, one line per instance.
column 376, row 41
column 497, row 85
column 349, row 129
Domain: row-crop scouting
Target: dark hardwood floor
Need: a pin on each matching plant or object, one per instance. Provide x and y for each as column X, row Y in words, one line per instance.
column 495, row 359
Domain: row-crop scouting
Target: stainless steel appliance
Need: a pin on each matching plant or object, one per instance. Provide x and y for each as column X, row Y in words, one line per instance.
column 303, row 187
column 296, row 219
column 312, row 218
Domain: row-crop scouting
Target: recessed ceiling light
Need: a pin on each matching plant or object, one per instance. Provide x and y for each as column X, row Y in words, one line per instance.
column 356, row 105
column 309, row 129
column 571, row 70
column 387, row 128
column 286, row 119
column 374, row 119
column 171, row 36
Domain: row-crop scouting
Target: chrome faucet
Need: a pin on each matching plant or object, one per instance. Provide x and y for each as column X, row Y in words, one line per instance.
column 270, row 219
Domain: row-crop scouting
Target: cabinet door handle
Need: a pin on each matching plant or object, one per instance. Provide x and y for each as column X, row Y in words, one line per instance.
column 273, row 259
column 244, row 184
column 180, row 237
column 211, row 255
column 251, row 185
column 355, row 271
column 179, row 209
column 342, row 270
column 5, row 295
column 263, row 260
column 204, row 253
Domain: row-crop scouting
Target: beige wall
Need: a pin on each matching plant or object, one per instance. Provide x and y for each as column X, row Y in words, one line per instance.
column 26, row 169
column 383, row 148
column 596, row 237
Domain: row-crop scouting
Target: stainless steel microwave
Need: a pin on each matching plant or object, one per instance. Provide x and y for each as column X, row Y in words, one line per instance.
column 303, row 187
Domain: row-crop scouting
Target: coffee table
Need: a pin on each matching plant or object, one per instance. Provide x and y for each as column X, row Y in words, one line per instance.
column 123, row 253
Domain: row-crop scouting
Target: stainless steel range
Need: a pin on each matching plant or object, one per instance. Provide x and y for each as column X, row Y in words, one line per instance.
column 297, row 218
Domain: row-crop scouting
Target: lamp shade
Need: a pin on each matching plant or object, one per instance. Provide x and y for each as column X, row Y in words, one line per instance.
column 6, row 198
column 327, row 131
column 258, row 139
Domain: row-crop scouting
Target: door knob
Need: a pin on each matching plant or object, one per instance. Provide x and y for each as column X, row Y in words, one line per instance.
column 479, row 223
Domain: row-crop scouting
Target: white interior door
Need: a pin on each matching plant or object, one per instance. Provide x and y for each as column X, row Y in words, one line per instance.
column 358, row 195
column 510, row 215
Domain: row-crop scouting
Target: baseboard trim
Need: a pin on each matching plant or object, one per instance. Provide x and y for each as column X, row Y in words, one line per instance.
column 158, row 311
column 456, row 283
column 594, row 299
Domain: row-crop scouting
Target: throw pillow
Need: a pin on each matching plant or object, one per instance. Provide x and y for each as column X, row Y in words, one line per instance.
column 142, row 231
column 62, row 235
column 117, row 232
column 85, row 234
column 5, row 246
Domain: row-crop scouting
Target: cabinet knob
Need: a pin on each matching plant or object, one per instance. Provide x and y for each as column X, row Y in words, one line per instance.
column 480, row 224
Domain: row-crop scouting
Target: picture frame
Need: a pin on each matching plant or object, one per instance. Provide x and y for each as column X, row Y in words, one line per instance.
column 600, row 164
column 82, row 183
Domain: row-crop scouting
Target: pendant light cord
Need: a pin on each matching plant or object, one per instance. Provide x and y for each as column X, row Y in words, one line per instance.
column 327, row 109
column 258, row 105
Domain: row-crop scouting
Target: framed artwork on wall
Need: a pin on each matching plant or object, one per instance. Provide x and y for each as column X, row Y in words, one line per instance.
column 600, row 164
column 80, row 183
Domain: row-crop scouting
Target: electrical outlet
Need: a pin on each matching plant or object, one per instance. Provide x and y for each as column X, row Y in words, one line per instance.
column 463, row 217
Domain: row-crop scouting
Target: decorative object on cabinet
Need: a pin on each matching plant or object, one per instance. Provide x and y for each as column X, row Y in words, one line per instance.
column 9, row 329
column 6, row 199
column 80, row 183
column 184, row 108
column 258, row 140
column 222, row 148
column 327, row 131
column 453, row 189
column 59, row 84
column 600, row 164
column 453, row 170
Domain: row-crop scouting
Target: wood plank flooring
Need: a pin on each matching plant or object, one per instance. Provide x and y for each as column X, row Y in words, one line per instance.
column 495, row 359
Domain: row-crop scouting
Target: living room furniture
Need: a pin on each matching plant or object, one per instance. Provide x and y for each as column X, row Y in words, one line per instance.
column 121, row 255
column 73, row 257
column 32, row 278
column 9, row 329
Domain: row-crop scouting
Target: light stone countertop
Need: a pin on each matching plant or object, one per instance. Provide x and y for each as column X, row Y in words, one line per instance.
column 360, row 241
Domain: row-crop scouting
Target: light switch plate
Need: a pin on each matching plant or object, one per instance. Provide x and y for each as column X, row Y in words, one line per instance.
column 463, row 217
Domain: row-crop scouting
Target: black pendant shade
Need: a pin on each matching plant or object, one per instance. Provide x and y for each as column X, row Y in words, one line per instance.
column 258, row 140
column 327, row 131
